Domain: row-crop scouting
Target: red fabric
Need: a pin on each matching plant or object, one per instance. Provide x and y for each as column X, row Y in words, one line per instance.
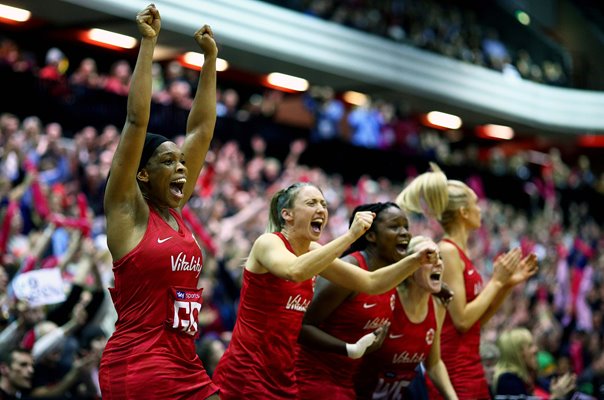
column 461, row 351
column 205, row 183
column 11, row 211
column 387, row 372
column 151, row 354
column 259, row 361
column 29, row 339
column 199, row 230
column 320, row 372
column 40, row 203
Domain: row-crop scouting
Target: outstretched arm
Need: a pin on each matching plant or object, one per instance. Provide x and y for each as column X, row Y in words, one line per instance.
column 125, row 206
column 202, row 117
column 270, row 255
column 527, row 268
column 383, row 279
column 465, row 314
column 122, row 186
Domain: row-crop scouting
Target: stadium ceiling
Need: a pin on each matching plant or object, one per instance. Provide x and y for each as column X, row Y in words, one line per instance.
column 246, row 56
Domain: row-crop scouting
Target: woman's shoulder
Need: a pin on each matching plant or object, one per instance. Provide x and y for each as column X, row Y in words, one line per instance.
column 509, row 383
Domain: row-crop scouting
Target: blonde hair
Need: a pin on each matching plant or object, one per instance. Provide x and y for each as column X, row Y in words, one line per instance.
column 412, row 247
column 432, row 194
column 415, row 242
column 512, row 344
column 284, row 198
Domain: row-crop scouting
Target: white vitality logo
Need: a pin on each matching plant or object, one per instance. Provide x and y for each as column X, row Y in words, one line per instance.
column 180, row 263
column 297, row 303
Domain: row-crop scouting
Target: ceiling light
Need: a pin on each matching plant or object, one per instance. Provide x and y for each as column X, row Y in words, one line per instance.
column 287, row 82
column 443, row 120
column 194, row 60
column 112, row 39
column 355, row 98
column 492, row 131
column 523, row 17
column 14, row 13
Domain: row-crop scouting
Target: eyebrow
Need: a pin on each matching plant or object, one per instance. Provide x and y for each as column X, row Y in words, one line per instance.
column 171, row 153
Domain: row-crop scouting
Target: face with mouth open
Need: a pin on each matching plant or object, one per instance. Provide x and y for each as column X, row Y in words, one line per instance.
column 309, row 214
column 429, row 276
column 391, row 234
column 165, row 175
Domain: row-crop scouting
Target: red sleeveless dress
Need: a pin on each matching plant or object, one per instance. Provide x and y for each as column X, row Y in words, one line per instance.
column 320, row 372
column 259, row 361
column 461, row 351
column 151, row 354
column 387, row 372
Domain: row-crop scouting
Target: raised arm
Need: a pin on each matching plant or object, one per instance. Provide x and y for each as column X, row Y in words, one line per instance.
column 122, row 189
column 202, row 117
column 463, row 314
column 527, row 268
column 383, row 279
column 270, row 255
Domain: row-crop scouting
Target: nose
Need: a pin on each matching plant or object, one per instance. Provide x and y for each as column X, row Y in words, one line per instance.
column 181, row 167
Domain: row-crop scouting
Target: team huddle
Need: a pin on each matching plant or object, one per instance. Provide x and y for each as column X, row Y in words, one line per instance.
column 364, row 316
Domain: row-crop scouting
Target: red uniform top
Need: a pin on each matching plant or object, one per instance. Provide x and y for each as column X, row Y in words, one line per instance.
column 386, row 373
column 152, row 351
column 259, row 361
column 319, row 372
column 461, row 351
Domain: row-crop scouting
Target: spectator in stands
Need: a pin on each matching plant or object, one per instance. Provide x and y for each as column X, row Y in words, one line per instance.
column 85, row 76
column 52, row 75
column 515, row 370
column 327, row 111
column 489, row 355
column 16, row 371
column 118, row 81
column 365, row 125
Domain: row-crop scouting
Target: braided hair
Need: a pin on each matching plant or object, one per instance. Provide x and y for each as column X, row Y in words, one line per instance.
column 362, row 242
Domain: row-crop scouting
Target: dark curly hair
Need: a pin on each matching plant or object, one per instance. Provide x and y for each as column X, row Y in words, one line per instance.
column 362, row 243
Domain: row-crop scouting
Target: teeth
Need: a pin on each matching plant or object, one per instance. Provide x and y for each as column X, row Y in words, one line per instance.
column 181, row 180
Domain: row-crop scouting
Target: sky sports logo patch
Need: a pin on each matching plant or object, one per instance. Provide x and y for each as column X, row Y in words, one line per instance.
column 180, row 294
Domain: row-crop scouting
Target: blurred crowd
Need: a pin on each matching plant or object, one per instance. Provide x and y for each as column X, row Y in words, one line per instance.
column 441, row 27
column 51, row 212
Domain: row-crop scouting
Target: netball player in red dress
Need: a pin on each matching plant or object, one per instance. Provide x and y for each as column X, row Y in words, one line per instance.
column 278, row 286
column 413, row 338
column 455, row 207
column 157, row 262
column 338, row 317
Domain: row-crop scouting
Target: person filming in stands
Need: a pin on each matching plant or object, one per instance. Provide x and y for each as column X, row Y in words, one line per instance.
column 278, row 281
column 157, row 261
column 455, row 207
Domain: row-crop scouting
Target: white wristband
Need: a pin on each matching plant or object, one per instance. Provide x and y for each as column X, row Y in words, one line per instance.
column 356, row 350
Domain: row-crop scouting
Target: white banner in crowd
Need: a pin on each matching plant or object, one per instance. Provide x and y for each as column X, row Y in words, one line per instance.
column 40, row 287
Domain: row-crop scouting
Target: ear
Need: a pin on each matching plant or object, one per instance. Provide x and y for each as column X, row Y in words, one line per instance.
column 286, row 215
column 4, row 369
column 463, row 212
column 143, row 175
column 370, row 237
